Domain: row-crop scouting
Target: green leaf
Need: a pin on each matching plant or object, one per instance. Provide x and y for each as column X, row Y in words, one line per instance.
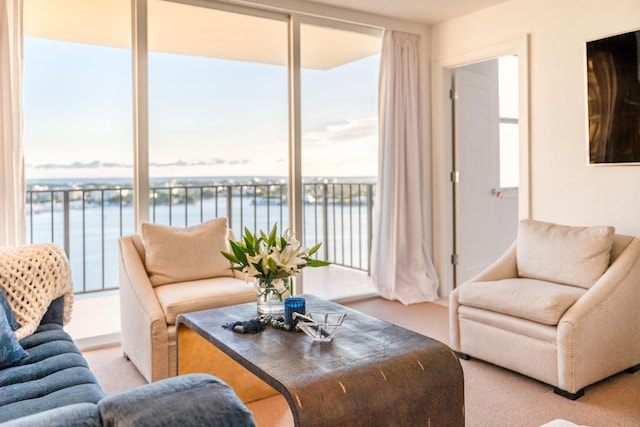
column 272, row 235
column 316, row 263
column 230, row 257
column 281, row 275
column 239, row 253
column 314, row 249
column 249, row 238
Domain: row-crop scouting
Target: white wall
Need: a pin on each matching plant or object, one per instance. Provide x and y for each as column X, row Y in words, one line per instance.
column 564, row 188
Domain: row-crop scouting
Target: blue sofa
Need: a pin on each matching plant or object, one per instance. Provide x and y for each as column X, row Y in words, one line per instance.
column 53, row 386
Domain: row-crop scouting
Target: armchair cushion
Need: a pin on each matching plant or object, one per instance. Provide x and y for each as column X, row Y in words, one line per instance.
column 575, row 256
column 175, row 255
column 203, row 294
column 530, row 299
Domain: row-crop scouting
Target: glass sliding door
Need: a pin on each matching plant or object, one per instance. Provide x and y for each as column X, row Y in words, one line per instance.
column 339, row 97
column 218, row 116
column 339, row 80
column 78, row 132
column 222, row 123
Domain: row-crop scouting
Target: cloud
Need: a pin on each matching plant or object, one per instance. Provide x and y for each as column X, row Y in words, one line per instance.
column 186, row 163
column 97, row 164
column 352, row 130
column 238, row 162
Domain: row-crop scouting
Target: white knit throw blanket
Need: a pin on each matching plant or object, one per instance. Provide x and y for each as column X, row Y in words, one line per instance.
column 32, row 277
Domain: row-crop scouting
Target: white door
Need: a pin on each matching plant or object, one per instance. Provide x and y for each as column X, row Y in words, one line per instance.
column 486, row 215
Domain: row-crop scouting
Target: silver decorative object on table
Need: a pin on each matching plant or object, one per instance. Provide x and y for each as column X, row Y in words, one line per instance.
column 321, row 327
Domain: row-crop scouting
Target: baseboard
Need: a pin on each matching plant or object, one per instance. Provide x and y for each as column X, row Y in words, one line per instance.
column 443, row 301
column 99, row 341
column 356, row 298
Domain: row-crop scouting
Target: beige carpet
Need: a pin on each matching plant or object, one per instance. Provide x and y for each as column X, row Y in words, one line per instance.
column 494, row 397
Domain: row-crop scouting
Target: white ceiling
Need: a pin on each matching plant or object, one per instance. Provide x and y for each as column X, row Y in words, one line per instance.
column 422, row 11
column 183, row 29
column 188, row 30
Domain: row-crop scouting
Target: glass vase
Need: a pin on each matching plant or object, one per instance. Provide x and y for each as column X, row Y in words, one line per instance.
column 270, row 296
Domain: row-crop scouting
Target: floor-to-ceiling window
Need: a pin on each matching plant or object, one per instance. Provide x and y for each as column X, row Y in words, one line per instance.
column 218, row 115
column 220, row 124
column 78, row 131
column 339, row 90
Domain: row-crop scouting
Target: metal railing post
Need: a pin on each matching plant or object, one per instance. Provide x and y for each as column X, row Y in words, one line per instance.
column 369, row 225
column 325, row 219
column 186, row 206
column 67, row 232
column 229, row 207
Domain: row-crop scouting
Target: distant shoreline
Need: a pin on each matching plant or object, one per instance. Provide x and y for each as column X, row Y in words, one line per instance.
column 181, row 181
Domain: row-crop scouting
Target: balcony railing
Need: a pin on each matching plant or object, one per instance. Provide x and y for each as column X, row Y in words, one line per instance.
column 88, row 221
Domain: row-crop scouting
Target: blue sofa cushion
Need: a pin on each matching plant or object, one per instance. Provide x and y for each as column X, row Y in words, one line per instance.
column 187, row 401
column 53, row 374
column 10, row 349
column 8, row 311
column 55, row 312
column 76, row 415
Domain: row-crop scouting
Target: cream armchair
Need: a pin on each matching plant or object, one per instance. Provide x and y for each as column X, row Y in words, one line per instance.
column 166, row 271
column 561, row 306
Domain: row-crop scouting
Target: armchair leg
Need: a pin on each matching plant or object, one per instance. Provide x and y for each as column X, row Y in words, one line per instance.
column 580, row 393
column 633, row 369
column 566, row 394
column 463, row 356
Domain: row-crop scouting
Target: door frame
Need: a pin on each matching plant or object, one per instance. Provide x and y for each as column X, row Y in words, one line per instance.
column 442, row 159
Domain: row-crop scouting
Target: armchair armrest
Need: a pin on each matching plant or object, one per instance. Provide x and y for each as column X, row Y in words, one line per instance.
column 186, row 401
column 142, row 318
column 506, row 267
column 600, row 334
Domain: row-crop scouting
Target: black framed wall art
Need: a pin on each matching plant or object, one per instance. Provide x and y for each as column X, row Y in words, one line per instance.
column 613, row 92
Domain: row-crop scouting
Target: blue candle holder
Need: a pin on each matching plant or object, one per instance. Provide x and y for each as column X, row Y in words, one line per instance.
column 293, row 305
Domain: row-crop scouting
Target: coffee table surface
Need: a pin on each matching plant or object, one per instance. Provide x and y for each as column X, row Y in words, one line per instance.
column 370, row 363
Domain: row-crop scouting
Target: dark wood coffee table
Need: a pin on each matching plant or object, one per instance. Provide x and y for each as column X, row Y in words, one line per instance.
column 373, row 373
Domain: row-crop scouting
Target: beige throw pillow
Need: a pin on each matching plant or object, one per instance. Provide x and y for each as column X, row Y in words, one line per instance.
column 181, row 254
column 575, row 256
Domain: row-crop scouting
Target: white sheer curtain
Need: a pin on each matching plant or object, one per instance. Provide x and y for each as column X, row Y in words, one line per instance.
column 12, row 180
column 401, row 268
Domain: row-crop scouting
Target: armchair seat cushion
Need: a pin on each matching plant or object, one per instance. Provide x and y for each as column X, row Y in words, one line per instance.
column 531, row 299
column 534, row 330
column 195, row 295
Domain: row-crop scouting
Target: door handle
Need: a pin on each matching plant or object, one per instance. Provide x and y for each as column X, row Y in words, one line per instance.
column 505, row 193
